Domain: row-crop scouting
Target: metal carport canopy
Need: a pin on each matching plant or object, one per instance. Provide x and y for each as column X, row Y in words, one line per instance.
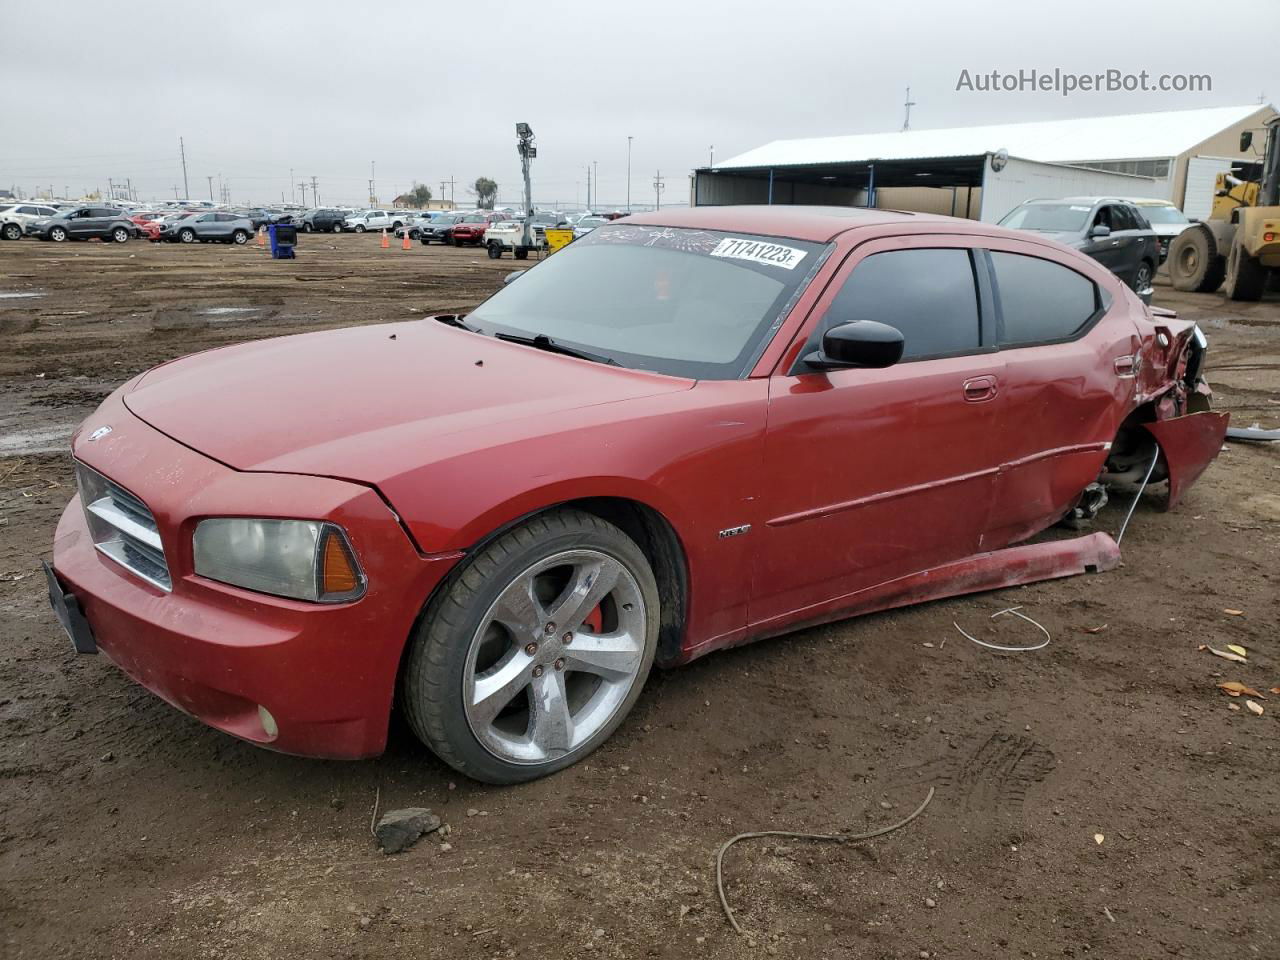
column 960, row 171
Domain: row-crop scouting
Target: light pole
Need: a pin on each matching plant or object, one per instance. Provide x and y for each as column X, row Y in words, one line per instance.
column 712, row 162
column 629, row 139
column 595, row 180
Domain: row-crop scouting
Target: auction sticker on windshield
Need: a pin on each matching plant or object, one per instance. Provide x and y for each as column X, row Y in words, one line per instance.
column 759, row 251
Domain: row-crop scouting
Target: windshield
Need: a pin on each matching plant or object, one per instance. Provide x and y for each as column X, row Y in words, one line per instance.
column 592, row 222
column 687, row 303
column 1159, row 213
column 1048, row 217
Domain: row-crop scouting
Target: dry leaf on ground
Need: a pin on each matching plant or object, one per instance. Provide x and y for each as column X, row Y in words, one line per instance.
column 1095, row 629
column 1234, row 688
column 1098, row 838
column 1224, row 654
column 1254, row 707
column 1233, row 613
column 1233, row 706
column 1236, row 648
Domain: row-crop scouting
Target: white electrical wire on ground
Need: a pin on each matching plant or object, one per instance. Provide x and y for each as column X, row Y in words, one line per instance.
column 1138, row 496
column 1004, row 649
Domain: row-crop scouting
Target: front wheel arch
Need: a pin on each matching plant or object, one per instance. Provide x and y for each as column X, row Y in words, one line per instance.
column 652, row 532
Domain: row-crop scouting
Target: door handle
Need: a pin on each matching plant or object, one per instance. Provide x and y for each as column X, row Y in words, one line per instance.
column 1126, row 366
column 978, row 389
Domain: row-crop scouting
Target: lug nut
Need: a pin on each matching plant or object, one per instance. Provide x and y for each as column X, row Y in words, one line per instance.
column 560, row 664
column 531, row 648
column 549, row 629
column 568, row 638
column 537, row 671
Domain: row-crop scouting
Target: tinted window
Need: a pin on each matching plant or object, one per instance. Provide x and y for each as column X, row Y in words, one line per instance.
column 1123, row 218
column 1040, row 300
column 27, row 210
column 929, row 295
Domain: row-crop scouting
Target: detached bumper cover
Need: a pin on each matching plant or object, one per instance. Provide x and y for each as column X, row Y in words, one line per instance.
column 1188, row 445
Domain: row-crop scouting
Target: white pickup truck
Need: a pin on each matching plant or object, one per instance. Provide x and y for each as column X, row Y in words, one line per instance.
column 367, row 220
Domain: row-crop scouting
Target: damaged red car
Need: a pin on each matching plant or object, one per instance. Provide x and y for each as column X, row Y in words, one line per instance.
column 685, row 431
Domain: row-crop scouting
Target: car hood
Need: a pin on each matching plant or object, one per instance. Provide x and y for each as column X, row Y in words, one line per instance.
column 365, row 402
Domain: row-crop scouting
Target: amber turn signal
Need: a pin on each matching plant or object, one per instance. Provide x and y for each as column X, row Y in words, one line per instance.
column 339, row 577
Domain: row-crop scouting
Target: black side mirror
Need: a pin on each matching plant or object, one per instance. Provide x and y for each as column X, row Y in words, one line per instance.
column 513, row 275
column 863, row 343
column 1246, row 140
column 1100, row 230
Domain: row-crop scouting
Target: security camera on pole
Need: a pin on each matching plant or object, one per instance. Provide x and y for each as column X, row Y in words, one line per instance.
column 527, row 151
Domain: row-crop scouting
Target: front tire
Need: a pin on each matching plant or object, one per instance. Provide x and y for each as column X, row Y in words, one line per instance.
column 1194, row 263
column 187, row 235
column 359, row 228
column 58, row 234
column 12, row 231
column 535, row 650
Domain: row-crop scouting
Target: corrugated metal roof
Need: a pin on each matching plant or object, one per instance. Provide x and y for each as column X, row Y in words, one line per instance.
column 1135, row 136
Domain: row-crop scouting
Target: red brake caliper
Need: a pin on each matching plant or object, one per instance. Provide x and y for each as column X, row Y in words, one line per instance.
column 594, row 621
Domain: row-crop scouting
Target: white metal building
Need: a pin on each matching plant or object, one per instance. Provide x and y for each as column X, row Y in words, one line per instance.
column 983, row 172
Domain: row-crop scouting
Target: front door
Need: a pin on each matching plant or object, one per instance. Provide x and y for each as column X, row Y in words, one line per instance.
column 871, row 475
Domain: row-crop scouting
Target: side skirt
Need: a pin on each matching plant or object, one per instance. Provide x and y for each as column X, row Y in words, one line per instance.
column 1010, row 567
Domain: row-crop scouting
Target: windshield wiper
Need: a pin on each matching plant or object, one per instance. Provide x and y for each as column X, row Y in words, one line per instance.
column 543, row 342
column 453, row 320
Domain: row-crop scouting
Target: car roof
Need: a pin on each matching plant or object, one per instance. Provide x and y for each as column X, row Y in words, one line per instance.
column 814, row 224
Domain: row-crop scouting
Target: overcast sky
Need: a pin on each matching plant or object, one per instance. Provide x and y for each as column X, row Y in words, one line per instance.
column 430, row 91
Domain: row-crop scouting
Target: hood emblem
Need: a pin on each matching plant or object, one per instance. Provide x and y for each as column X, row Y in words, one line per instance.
column 99, row 433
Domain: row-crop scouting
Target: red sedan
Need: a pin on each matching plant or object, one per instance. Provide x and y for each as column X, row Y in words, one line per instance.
column 148, row 224
column 470, row 229
column 688, row 430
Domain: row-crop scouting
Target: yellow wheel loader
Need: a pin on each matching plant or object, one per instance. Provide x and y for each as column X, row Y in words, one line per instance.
column 1238, row 247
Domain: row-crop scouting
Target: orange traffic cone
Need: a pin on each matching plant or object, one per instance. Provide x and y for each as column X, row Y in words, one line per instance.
column 404, row 244
column 386, row 244
column 262, row 236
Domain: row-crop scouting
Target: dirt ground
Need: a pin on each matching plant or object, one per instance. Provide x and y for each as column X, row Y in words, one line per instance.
column 1097, row 798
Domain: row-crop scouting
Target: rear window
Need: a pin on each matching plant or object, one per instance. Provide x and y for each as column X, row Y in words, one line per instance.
column 1040, row 301
column 929, row 295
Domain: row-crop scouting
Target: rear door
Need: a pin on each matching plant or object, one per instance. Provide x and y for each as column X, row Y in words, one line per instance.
column 1069, row 361
column 871, row 475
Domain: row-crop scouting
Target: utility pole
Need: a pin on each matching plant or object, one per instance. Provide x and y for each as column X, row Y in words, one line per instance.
column 588, row 189
column 442, row 183
column 128, row 185
column 657, row 190
column 210, row 179
column 711, row 162
column 111, row 190
column 293, row 191
column 373, row 196
column 185, row 187
column 595, row 179
column 906, row 120
column 315, row 192
column 175, row 192
column 629, row 139
column 453, row 196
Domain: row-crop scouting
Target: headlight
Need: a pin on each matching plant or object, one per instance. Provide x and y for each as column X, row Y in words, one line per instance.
column 301, row 559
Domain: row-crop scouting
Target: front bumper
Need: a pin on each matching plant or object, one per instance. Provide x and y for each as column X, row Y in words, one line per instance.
column 325, row 674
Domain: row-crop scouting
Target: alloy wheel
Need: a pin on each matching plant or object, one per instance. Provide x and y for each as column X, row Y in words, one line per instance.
column 555, row 657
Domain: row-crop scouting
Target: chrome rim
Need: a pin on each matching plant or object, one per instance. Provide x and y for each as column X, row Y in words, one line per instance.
column 555, row 657
column 58, row 234
column 1144, row 276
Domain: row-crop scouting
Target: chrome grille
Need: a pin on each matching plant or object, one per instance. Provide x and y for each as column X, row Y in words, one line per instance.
column 123, row 527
